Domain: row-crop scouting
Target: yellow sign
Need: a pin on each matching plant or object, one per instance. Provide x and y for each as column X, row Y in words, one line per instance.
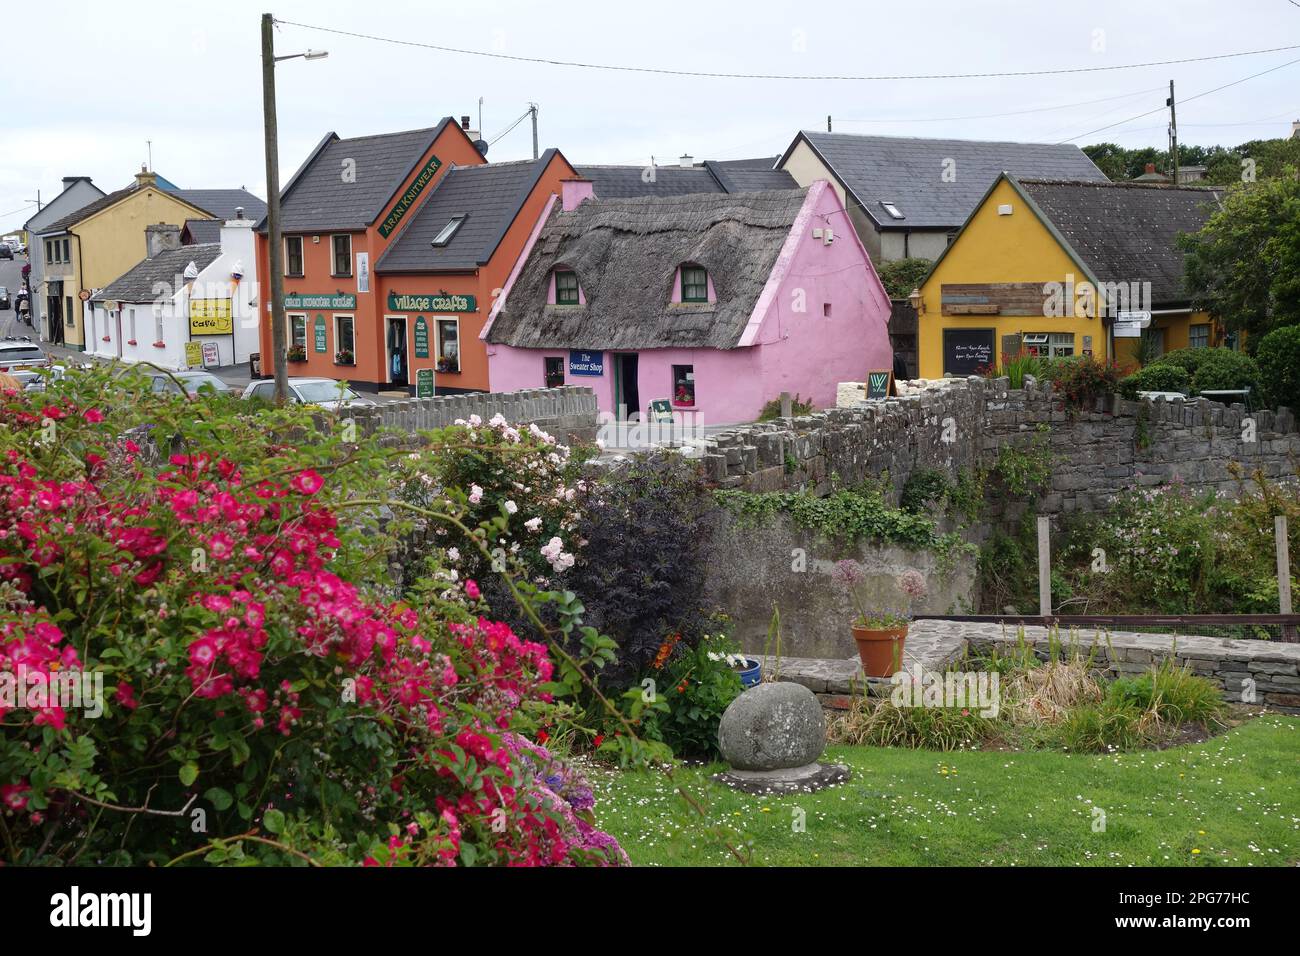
column 210, row 317
column 194, row 354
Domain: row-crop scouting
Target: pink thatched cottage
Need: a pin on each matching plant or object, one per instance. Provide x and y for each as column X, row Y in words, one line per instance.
column 713, row 303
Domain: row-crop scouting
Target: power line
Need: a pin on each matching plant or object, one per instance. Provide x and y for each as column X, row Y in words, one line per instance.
column 1161, row 109
column 30, row 202
column 1039, row 109
column 781, row 76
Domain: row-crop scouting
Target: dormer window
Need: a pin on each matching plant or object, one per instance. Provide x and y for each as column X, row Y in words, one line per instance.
column 695, row 284
column 892, row 210
column 566, row 287
column 446, row 232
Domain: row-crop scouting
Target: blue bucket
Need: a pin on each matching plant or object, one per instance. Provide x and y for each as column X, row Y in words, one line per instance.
column 752, row 673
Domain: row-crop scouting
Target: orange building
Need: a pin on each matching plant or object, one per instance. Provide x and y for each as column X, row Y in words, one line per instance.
column 441, row 273
column 339, row 214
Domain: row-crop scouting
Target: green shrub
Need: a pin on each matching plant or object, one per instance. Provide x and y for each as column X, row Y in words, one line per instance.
column 1278, row 355
column 694, row 687
column 923, row 486
column 1015, row 369
column 1097, row 728
column 1156, row 378
column 1225, row 368
column 772, row 409
column 844, row 515
column 901, row 276
column 1189, row 360
column 877, row 722
column 1081, row 380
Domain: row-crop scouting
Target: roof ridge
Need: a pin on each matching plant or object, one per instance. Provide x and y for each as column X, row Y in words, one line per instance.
column 938, row 139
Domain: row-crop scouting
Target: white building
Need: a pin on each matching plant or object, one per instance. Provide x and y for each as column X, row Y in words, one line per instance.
column 184, row 306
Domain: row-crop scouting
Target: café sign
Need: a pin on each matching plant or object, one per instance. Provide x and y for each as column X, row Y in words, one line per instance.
column 444, row 302
column 408, row 198
column 210, row 317
column 337, row 300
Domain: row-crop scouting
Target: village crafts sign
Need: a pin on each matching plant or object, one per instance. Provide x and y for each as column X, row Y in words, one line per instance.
column 408, row 198
column 401, row 302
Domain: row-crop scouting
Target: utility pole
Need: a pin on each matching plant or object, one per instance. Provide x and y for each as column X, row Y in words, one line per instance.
column 274, row 242
column 532, row 108
column 828, row 122
column 1173, row 132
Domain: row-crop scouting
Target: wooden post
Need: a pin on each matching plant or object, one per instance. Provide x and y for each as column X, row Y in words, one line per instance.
column 1044, row 566
column 1283, row 575
column 787, row 407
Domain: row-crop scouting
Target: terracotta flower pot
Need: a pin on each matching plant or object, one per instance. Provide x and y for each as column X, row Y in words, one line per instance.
column 881, row 650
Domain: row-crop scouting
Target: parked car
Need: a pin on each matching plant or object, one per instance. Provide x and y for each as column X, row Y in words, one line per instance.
column 35, row 381
column 6, row 251
column 325, row 392
column 195, row 382
column 21, row 353
column 4, row 298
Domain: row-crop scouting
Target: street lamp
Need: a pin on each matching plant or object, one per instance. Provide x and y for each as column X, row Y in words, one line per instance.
column 279, row 347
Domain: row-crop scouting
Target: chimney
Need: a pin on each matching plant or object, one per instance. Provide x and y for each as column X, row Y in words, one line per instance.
column 69, row 181
column 1151, row 168
column 145, row 177
column 1295, row 129
column 687, row 161
column 574, row 191
column 161, row 237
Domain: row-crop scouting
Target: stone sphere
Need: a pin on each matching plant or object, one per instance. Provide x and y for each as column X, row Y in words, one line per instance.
column 772, row 727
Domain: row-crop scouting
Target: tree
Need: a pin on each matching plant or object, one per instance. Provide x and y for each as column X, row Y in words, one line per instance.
column 1244, row 265
column 903, row 275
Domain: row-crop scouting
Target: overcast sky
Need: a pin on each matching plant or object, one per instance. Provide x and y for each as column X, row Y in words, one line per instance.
column 101, row 78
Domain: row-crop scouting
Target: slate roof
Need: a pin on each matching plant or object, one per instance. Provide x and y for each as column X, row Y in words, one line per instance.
column 488, row 196
column 316, row 199
column 85, row 212
column 714, row 176
column 625, row 253
column 908, row 171
column 138, row 285
column 1126, row 232
column 222, row 203
column 203, row 230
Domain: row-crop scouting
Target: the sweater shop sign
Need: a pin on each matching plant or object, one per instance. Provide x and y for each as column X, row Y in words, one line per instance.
column 337, row 300
column 586, row 363
column 408, row 198
column 442, row 302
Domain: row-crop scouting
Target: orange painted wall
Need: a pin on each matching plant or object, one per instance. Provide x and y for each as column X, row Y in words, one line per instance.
column 484, row 284
column 452, row 147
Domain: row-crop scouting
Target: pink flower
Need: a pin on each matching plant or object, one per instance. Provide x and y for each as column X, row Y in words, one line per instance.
column 471, row 590
column 307, row 482
column 126, row 696
column 14, row 795
column 93, row 415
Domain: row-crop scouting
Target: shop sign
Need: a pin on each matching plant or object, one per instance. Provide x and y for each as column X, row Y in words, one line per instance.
column 408, row 198
column 210, row 317
column 442, row 302
column 421, row 337
column 335, row 300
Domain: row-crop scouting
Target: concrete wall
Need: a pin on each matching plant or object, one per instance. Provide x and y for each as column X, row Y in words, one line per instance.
column 778, row 563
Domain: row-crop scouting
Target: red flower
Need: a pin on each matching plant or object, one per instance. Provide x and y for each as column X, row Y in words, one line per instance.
column 93, row 415
column 307, row 482
column 471, row 589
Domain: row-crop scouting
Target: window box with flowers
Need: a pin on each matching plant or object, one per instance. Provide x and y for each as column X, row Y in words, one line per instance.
column 297, row 353
column 345, row 357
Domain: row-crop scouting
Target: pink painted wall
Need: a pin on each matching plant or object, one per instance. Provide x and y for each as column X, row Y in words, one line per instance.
column 783, row 348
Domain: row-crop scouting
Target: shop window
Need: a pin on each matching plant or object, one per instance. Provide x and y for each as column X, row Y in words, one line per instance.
column 1198, row 336
column 566, row 287
column 448, row 345
column 293, row 256
column 344, row 340
column 695, row 284
column 342, row 246
column 298, row 331
column 684, row 385
column 554, row 368
column 1048, row 345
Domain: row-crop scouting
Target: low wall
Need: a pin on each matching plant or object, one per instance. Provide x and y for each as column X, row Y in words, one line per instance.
column 568, row 413
column 753, row 568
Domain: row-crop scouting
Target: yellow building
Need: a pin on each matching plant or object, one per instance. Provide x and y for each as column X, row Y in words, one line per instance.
column 93, row 246
column 1056, row 268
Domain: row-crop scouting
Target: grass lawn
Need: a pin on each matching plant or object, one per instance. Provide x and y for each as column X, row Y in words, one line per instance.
column 1234, row 798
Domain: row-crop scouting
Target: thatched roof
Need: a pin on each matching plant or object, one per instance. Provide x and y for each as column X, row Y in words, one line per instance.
column 625, row 253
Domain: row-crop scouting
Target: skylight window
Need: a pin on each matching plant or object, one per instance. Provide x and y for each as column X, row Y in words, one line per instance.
column 892, row 210
column 446, row 232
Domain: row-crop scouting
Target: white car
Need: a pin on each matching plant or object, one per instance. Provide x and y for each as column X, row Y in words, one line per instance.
column 21, row 353
column 323, row 392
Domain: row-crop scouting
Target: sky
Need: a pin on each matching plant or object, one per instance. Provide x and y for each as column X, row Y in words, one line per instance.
column 107, row 78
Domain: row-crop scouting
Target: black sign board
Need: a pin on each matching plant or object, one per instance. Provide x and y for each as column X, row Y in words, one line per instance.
column 880, row 384
column 967, row 351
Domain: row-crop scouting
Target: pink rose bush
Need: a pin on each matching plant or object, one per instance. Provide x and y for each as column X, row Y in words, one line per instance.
column 254, row 679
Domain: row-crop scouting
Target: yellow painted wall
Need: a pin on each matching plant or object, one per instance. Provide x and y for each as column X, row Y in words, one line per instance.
column 112, row 242
column 1177, row 334
column 994, row 248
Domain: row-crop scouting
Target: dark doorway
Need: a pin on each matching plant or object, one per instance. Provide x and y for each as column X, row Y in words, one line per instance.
column 627, row 399
column 397, row 369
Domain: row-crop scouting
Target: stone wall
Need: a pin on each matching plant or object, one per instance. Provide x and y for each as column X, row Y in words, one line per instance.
column 751, row 569
column 568, row 413
column 954, row 424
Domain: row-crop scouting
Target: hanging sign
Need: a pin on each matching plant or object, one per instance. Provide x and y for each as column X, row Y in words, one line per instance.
column 408, row 198
column 586, row 363
column 421, row 337
column 442, row 302
column 880, row 384
column 328, row 300
column 319, row 330
column 363, row 272
column 424, row 383
column 210, row 317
